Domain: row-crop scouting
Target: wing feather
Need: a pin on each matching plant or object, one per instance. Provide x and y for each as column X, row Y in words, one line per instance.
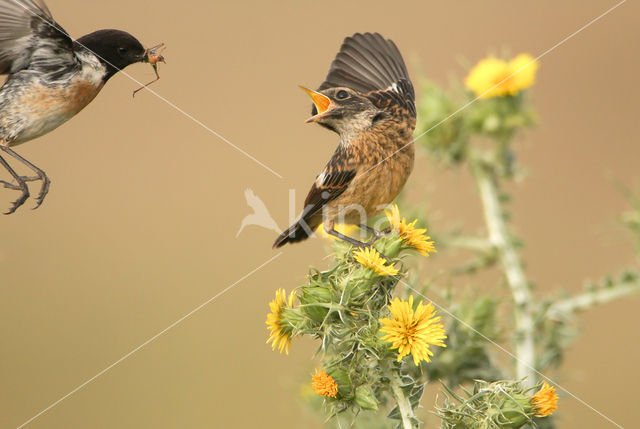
column 29, row 36
column 366, row 62
column 333, row 184
column 373, row 65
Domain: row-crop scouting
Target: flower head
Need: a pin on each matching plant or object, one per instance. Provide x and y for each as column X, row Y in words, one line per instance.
column 494, row 77
column 545, row 401
column 280, row 336
column 370, row 258
column 412, row 236
column 413, row 331
column 324, row 385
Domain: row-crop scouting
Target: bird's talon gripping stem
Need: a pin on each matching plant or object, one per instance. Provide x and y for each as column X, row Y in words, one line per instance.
column 377, row 235
column 357, row 243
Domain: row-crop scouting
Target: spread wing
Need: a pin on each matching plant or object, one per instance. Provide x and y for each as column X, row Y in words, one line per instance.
column 369, row 63
column 30, row 38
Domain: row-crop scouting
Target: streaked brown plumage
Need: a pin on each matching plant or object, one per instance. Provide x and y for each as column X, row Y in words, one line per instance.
column 368, row 99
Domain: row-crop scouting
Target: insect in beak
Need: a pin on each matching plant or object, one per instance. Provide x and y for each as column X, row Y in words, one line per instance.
column 152, row 56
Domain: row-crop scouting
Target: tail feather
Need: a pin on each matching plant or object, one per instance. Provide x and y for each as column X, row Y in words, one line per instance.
column 296, row 233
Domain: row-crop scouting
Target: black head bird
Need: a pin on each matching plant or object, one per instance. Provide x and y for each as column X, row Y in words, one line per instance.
column 51, row 79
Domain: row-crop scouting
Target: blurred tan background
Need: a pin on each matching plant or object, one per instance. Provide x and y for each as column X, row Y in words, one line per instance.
column 139, row 227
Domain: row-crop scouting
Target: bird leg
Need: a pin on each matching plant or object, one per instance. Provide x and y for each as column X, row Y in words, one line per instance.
column 21, row 186
column 377, row 235
column 357, row 243
column 349, row 240
column 21, row 180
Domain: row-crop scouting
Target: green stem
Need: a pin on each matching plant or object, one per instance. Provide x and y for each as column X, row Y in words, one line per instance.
column 589, row 299
column 513, row 270
column 470, row 243
column 404, row 405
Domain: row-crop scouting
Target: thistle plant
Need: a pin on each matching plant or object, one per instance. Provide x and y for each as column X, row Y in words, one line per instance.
column 366, row 336
column 502, row 404
column 382, row 342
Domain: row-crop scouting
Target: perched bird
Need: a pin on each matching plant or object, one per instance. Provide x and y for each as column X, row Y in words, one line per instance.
column 51, row 78
column 369, row 101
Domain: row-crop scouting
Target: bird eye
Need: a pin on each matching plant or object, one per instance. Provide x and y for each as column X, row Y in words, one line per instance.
column 342, row 95
column 122, row 50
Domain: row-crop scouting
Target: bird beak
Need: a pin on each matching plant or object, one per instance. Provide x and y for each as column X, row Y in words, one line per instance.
column 323, row 104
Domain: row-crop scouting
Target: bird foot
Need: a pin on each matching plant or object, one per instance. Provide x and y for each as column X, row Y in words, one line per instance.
column 10, row 185
column 21, row 181
column 377, row 235
column 44, row 189
column 20, row 201
column 22, row 186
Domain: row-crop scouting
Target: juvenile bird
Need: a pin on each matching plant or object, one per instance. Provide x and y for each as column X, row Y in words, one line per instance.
column 368, row 100
column 51, row 79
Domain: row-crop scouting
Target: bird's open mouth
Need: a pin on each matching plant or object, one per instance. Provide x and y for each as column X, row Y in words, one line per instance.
column 323, row 104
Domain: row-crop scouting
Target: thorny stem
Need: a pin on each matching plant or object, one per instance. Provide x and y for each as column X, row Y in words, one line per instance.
column 470, row 243
column 404, row 405
column 586, row 300
column 513, row 270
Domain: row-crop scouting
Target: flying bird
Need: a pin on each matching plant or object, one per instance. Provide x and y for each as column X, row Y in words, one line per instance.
column 368, row 100
column 50, row 79
column 260, row 216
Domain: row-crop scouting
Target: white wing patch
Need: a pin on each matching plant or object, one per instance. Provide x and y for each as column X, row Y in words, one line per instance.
column 394, row 88
column 321, row 178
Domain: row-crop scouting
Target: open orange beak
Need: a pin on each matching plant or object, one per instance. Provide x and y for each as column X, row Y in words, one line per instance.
column 323, row 104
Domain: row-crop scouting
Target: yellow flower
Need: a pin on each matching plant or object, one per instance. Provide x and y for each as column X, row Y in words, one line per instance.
column 412, row 236
column 280, row 336
column 494, row 77
column 545, row 401
column 413, row 331
column 324, row 385
column 342, row 228
column 370, row 258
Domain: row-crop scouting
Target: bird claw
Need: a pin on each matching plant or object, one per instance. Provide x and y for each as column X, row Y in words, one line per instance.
column 11, row 185
column 20, row 201
column 377, row 235
column 21, row 181
column 44, row 190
